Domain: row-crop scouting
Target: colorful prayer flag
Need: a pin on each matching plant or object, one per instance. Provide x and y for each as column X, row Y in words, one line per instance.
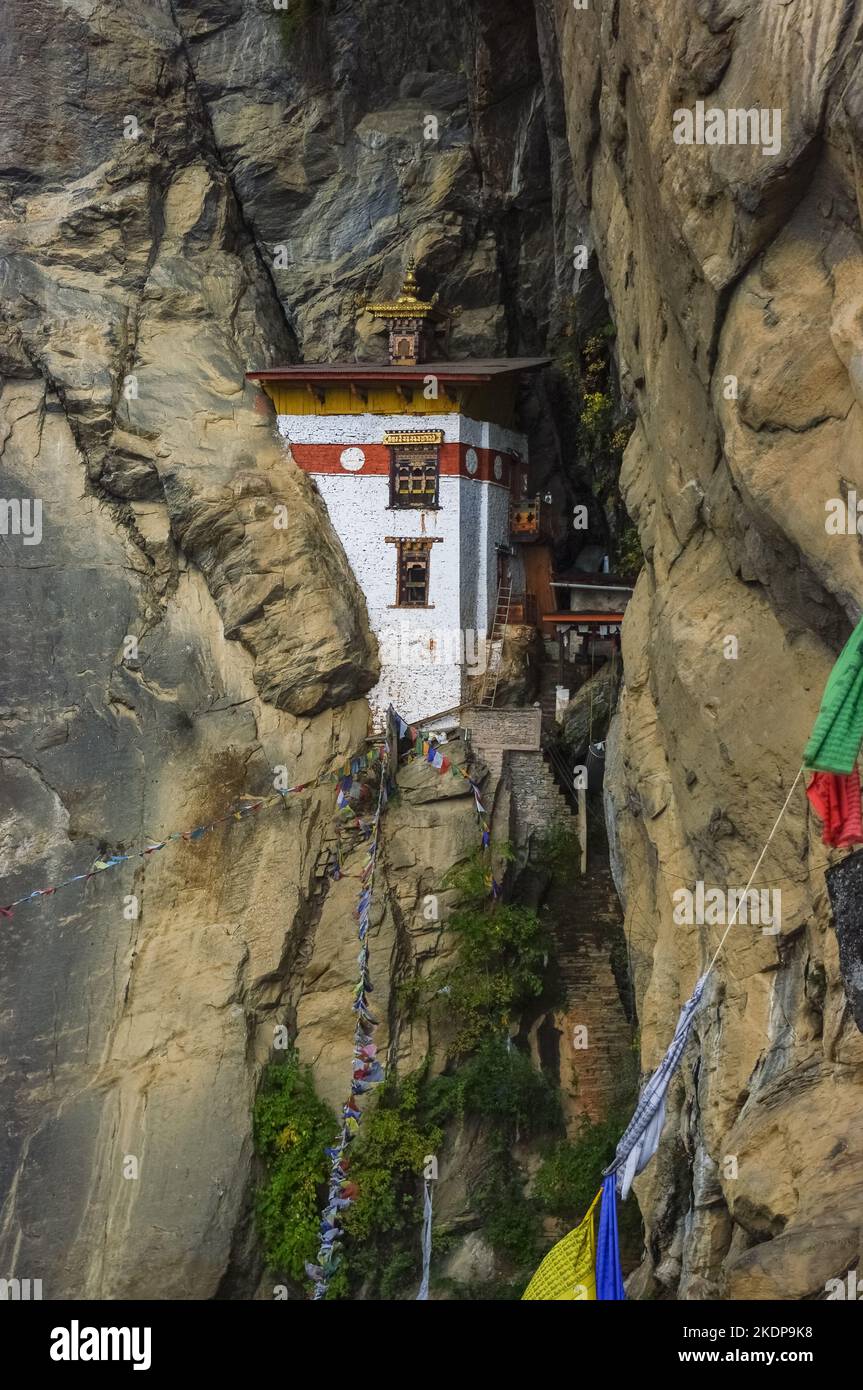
column 640, row 1139
column 568, row 1272
column 609, row 1277
column 835, row 740
column 835, row 799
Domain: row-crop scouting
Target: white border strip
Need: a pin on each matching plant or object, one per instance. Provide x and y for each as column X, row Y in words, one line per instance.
column 369, row 429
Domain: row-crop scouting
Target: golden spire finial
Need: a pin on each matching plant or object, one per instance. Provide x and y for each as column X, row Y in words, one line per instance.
column 409, row 286
column 408, row 302
column 411, row 320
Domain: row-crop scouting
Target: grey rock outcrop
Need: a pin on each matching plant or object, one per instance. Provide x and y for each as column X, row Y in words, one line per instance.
column 734, row 280
column 188, row 624
column 187, row 192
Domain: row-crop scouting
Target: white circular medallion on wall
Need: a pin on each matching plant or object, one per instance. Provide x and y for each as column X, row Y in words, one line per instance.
column 352, row 459
column 498, row 467
column 471, row 461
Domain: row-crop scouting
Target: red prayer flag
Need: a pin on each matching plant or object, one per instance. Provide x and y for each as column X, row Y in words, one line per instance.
column 835, row 799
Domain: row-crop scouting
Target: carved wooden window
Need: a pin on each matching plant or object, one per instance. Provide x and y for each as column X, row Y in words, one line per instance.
column 413, row 571
column 414, row 476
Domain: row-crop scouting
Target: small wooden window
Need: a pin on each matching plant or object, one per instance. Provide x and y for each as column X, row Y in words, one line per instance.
column 414, row 477
column 412, row 578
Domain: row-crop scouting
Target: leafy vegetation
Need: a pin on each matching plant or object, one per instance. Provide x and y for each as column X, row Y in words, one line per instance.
column 471, row 878
column 601, row 432
column 559, row 851
column 293, row 21
column 291, row 1127
column 498, row 1083
column 628, row 554
column 501, row 954
column 382, row 1249
column 501, row 957
column 571, row 1173
column 511, row 1221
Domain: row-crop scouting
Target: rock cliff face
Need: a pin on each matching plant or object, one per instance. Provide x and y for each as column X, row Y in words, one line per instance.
column 192, row 189
column 735, row 284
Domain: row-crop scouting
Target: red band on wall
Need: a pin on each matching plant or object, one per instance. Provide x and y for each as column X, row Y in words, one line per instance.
column 453, row 459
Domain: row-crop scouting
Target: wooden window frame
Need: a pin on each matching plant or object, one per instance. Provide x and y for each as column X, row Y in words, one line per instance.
column 427, row 457
column 404, row 545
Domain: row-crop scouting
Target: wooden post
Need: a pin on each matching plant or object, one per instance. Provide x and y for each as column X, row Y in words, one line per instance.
column 582, row 827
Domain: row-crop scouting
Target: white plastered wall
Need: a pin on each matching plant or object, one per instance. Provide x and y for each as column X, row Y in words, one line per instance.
column 422, row 649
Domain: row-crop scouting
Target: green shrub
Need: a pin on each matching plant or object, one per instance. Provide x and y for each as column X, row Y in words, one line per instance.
column 294, row 21
column 501, row 1084
column 502, row 950
column 292, row 1125
column 596, row 414
column 571, row 1175
column 571, row 1171
column 559, row 851
column 383, row 1224
column 470, row 879
column 600, row 428
column 501, row 957
column 411, row 995
column 628, row 554
column 382, row 1248
column 511, row 1221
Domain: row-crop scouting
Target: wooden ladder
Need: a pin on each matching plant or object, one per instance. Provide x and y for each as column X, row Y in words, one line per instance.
column 495, row 655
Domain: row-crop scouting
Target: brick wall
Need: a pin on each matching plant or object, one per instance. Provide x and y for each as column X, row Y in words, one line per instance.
column 538, row 802
column 503, row 728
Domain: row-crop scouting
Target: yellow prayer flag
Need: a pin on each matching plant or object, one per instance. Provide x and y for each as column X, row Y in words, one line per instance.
column 569, row 1269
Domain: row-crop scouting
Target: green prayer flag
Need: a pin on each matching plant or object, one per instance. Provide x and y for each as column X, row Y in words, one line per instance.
column 835, row 741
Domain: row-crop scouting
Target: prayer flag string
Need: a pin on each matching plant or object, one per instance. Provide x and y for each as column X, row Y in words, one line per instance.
column 428, row 751
column 249, row 807
column 366, row 1070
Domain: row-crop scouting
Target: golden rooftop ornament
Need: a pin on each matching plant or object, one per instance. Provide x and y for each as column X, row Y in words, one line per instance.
column 408, row 304
column 410, row 319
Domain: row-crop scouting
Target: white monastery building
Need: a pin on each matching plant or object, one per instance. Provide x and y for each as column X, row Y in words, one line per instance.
column 419, row 462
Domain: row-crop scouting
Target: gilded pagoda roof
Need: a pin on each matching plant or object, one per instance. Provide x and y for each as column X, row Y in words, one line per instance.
column 408, row 304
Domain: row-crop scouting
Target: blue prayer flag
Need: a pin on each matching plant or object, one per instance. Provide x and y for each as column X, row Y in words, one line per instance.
column 609, row 1278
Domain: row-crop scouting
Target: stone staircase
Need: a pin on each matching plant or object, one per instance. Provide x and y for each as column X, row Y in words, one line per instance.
column 587, row 933
column 574, row 676
column 548, row 683
column 595, row 918
column 539, row 800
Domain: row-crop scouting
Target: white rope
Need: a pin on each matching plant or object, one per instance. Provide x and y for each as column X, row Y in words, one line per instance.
column 742, row 898
column 641, row 1137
